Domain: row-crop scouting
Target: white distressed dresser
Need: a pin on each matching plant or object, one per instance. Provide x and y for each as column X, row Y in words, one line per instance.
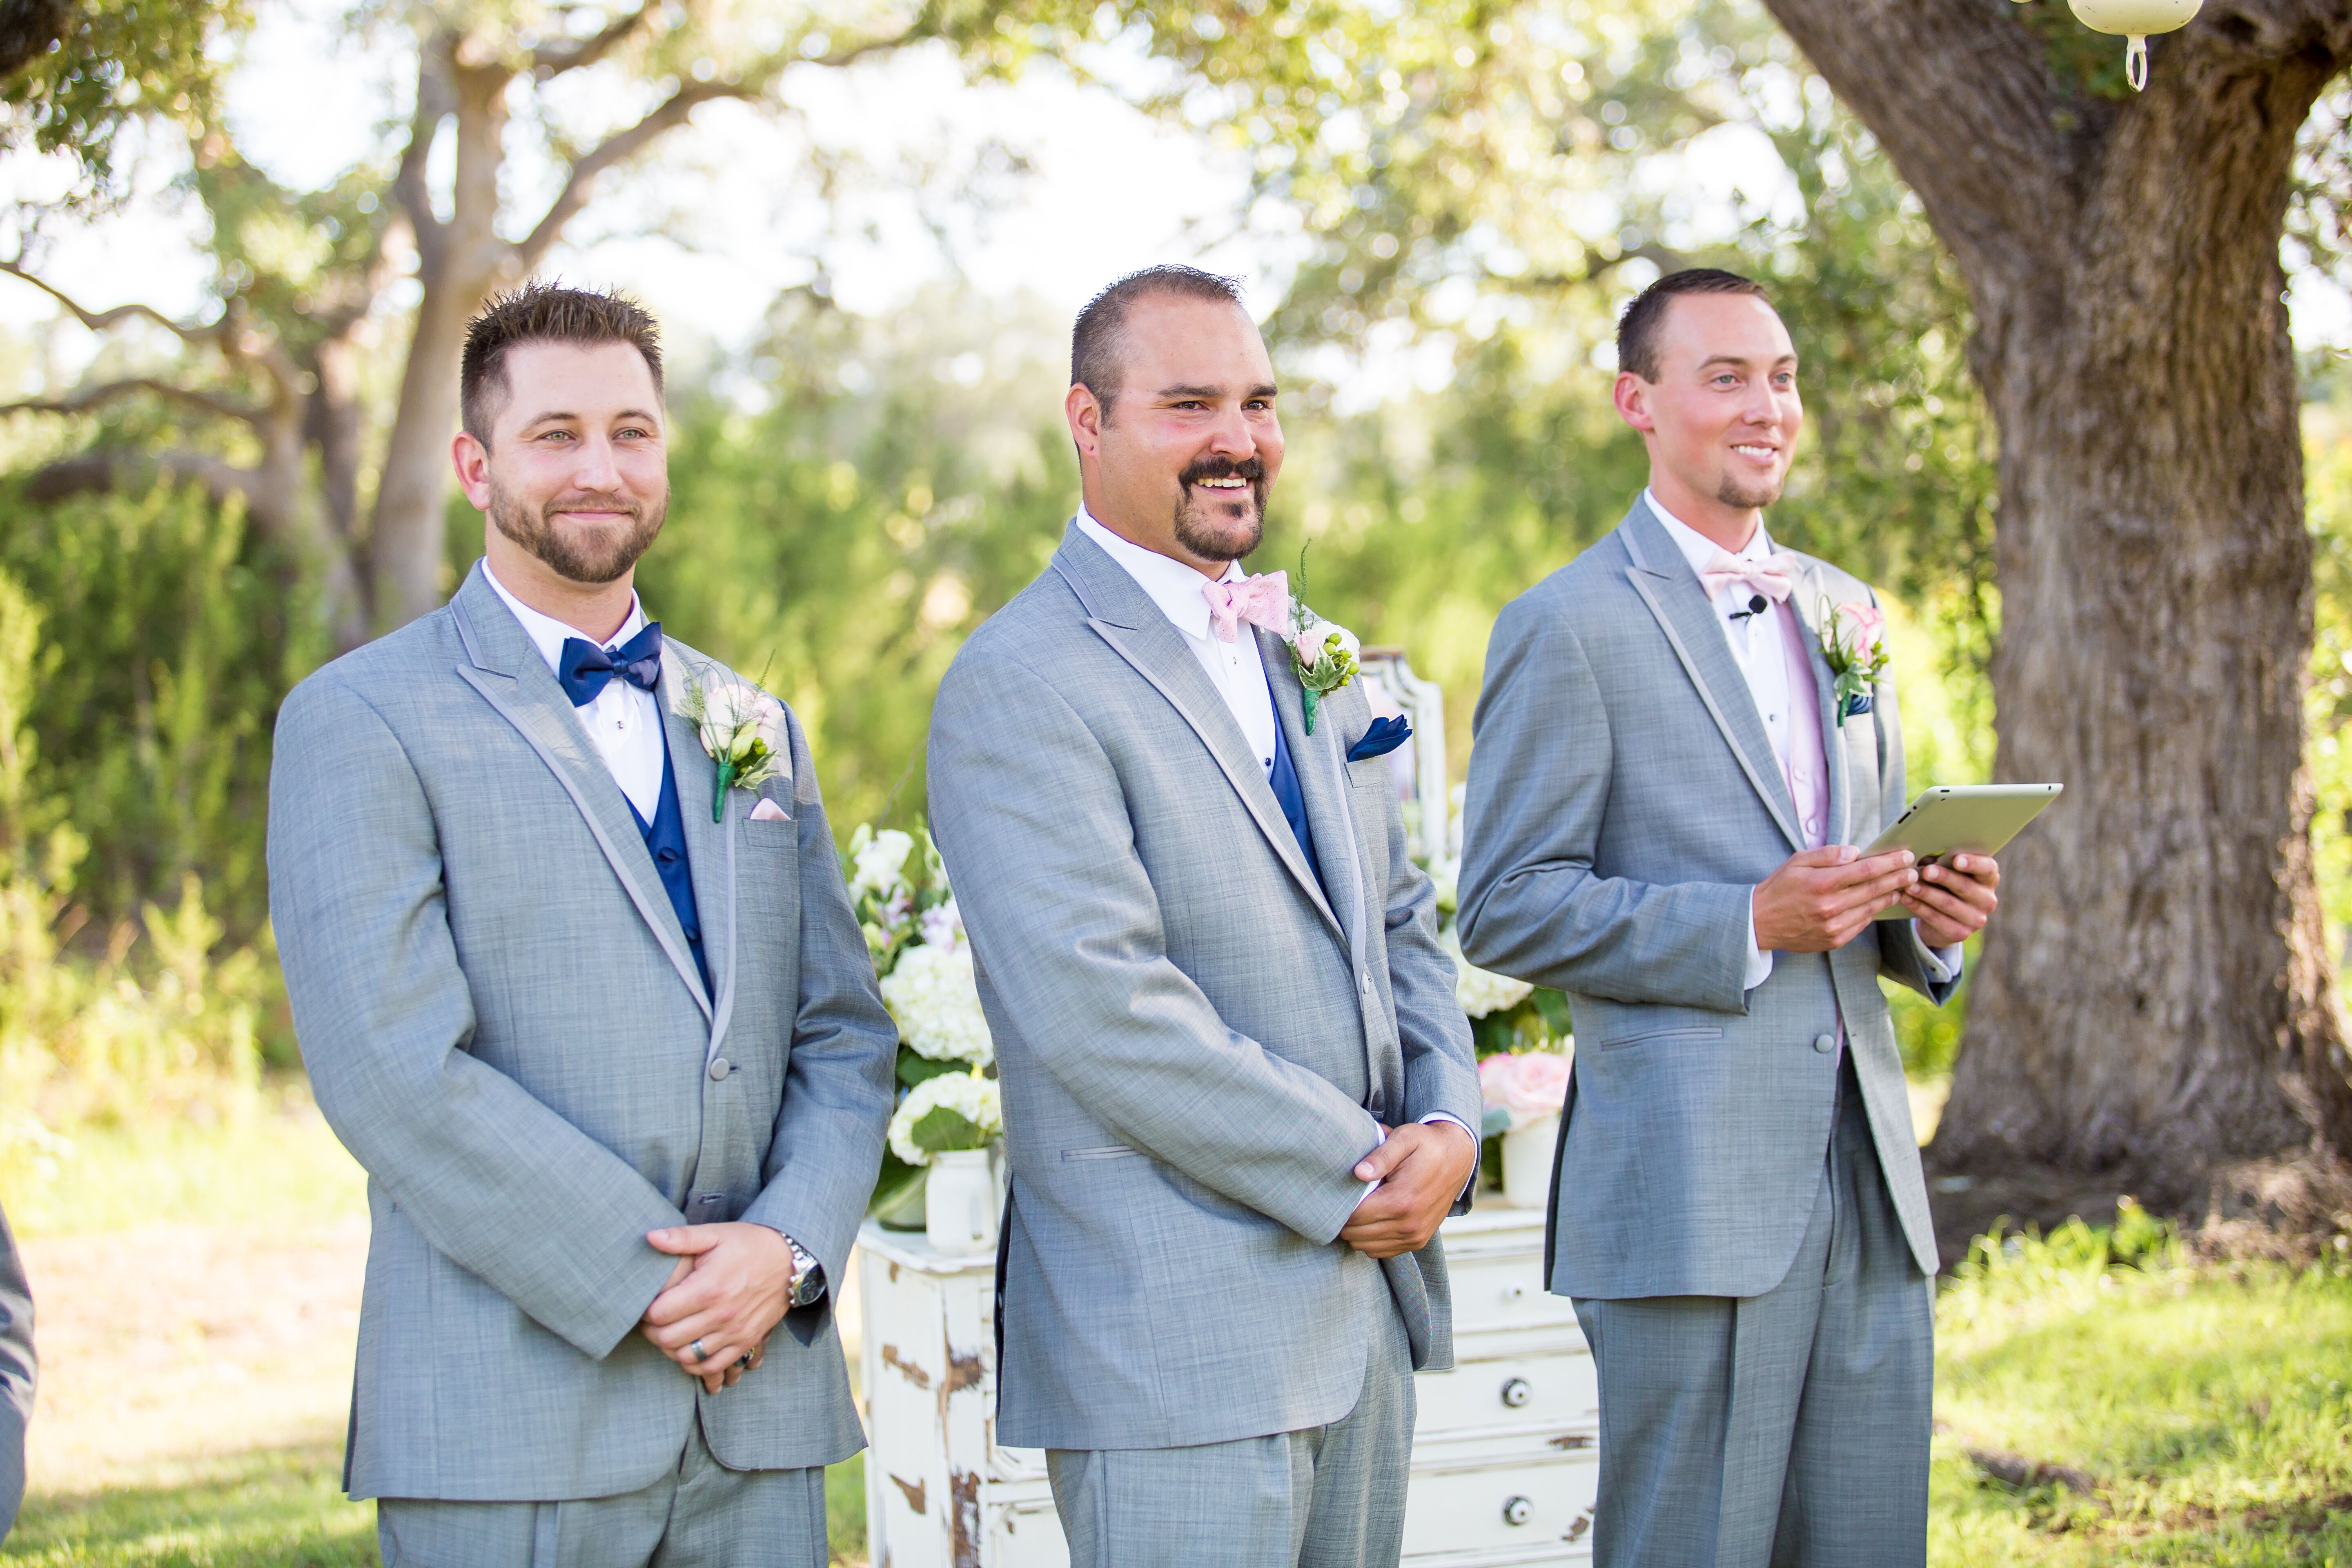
column 1504, row 1453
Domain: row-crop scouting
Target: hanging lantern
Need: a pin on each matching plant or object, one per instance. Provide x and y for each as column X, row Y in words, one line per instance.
column 2134, row 19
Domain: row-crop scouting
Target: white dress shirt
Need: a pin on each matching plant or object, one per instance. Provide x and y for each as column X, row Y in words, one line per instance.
column 624, row 723
column 1772, row 656
column 1234, row 669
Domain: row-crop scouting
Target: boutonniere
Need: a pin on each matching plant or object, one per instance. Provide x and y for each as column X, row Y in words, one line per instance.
column 1322, row 653
column 1854, row 641
column 741, row 728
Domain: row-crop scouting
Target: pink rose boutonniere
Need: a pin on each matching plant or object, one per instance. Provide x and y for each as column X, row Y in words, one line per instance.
column 1854, row 641
column 1322, row 655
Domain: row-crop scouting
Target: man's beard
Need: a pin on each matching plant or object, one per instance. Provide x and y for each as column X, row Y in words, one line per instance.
column 1749, row 498
column 1200, row 529
column 579, row 554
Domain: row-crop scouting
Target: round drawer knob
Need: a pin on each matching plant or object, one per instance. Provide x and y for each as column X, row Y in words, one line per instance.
column 1517, row 1393
column 1519, row 1510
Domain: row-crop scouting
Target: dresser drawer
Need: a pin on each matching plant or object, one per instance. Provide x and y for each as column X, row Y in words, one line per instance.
column 1504, row 1291
column 1538, row 1394
column 1536, row 1511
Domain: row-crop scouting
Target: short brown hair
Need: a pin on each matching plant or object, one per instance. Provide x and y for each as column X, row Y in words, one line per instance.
column 1637, row 330
column 543, row 312
column 1097, row 339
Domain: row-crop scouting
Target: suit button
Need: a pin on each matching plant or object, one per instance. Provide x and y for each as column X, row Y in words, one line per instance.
column 1823, row 1043
column 719, row 1069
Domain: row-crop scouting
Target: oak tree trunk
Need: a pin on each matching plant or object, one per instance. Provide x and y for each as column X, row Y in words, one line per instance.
column 2154, row 1009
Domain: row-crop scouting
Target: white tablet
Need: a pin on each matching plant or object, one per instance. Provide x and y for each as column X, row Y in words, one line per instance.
column 1979, row 818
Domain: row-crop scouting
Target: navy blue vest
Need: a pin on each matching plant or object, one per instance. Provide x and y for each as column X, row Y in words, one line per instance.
column 1293, row 801
column 665, row 839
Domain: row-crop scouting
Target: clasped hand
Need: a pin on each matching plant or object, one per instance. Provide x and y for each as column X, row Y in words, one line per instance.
column 1422, row 1169
column 727, row 1292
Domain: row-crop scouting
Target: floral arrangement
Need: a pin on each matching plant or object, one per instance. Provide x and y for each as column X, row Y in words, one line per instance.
column 741, row 728
column 948, row 1096
column 1853, row 643
column 1323, row 653
column 1522, row 1088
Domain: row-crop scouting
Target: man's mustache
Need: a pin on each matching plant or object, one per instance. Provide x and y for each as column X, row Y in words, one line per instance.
column 588, row 501
column 1250, row 468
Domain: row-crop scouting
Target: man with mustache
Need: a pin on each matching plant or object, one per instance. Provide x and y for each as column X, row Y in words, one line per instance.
column 1238, row 1089
column 604, row 1033
column 1665, row 800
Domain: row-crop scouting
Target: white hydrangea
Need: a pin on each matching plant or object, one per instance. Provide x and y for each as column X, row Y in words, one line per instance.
column 880, row 860
column 970, row 1095
column 933, row 994
column 1481, row 991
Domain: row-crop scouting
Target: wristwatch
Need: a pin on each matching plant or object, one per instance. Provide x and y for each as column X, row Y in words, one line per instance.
column 808, row 1274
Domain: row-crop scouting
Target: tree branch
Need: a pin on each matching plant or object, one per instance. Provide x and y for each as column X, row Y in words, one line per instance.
column 1960, row 94
column 100, row 320
column 580, row 184
column 574, row 54
column 99, row 473
column 107, row 392
column 436, row 99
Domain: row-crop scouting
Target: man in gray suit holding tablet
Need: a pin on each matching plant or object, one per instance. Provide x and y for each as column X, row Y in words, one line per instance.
column 592, row 1010
column 1238, row 1089
column 1683, row 734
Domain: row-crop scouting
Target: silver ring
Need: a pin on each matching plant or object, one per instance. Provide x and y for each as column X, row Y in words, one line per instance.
column 700, row 1353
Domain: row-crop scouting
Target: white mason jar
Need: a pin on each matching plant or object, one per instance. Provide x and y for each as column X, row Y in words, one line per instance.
column 960, row 1203
column 1526, row 1162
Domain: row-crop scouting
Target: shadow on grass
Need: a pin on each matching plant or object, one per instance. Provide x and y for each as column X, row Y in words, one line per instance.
column 273, row 1507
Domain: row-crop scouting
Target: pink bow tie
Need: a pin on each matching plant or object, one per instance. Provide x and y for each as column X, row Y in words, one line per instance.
column 1775, row 576
column 1262, row 601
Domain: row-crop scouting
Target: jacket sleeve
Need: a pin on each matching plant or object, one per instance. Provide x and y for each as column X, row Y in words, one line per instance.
column 1532, row 904
column 493, row 1178
column 1031, row 817
column 838, row 1083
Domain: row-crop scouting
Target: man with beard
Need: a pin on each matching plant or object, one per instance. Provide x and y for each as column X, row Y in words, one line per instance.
column 1664, row 797
column 1238, row 1089
column 600, row 1027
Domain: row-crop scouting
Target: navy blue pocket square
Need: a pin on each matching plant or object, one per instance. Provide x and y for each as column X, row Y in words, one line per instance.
column 1385, row 736
column 1858, row 704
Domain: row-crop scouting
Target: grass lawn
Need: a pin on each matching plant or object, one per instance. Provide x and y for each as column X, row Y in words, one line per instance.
column 2100, row 1400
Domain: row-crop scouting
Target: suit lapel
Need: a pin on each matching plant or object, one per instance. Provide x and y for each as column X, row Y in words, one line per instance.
column 709, row 845
column 1124, row 617
column 1807, row 596
column 1673, row 592
column 513, row 680
column 1322, row 780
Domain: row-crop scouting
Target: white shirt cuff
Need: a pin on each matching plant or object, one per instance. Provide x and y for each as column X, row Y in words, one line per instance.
column 1759, row 963
column 1944, row 963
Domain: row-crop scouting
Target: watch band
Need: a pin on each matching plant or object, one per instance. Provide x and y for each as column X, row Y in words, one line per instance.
column 808, row 1274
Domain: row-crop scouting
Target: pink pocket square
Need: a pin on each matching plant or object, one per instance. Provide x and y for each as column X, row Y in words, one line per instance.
column 768, row 811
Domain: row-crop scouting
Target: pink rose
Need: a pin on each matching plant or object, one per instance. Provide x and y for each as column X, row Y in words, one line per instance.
column 1531, row 1085
column 1867, row 623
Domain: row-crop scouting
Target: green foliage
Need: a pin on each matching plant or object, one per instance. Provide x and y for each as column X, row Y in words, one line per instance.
column 169, row 639
column 114, row 61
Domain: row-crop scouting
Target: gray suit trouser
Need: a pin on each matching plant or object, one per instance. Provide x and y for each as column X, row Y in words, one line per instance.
column 701, row 1515
column 1788, row 1429
column 1330, row 1497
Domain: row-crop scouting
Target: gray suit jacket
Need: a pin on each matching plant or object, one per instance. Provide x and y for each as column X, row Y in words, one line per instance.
column 1194, row 1043
column 504, row 1023
column 19, row 1374
column 1623, row 803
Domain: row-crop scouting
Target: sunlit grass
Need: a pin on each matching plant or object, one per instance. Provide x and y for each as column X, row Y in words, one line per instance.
column 2205, row 1410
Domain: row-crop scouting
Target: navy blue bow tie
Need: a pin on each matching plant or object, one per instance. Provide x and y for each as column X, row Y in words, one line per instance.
column 584, row 669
